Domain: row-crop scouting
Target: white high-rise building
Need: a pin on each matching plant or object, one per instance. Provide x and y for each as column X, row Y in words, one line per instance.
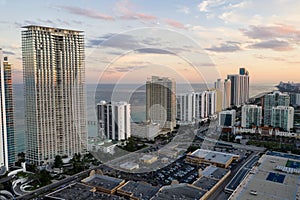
column 54, row 90
column 219, row 87
column 218, row 84
column 211, row 102
column 244, row 84
column 7, row 128
column 161, row 102
column 272, row 100
column 226, row 94
column 282, row 117
column 184, row 107
column 204, row 104
column 196, row 105
column 251, row 115
column 114, row 120
column 239, row 87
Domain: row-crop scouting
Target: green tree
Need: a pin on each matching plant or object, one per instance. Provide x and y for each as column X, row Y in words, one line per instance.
column 58, row 163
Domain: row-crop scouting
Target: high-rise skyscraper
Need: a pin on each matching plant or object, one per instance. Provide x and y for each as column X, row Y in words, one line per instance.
column 239, row 87
column 161, row 102
column 295, row 98
column 251, row 115
column 185, row 107
column 54, row 89
column 226, row 94
column 219, row 87
column 235, row 89
column 272, row 100
column 7, row 127
column 283, row 117
column 195, row 106
column 204, row 104
column 114, row 120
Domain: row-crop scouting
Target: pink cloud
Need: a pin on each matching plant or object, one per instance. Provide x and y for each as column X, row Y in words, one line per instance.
column 174, row 24
column 86, row 12
column 126, row 10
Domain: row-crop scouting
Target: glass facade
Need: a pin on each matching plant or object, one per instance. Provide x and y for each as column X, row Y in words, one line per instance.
column 54, row 86
column 8, row 153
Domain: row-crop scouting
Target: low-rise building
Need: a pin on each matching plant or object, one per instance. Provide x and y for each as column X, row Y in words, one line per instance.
column 145, row 130
column 275, row 177
column 103, row 183
column 129, row 166
column 219, row 159
column 227, row 118
column 137, row 190
column 179, row 191
column 79, row 191
column 148, row 159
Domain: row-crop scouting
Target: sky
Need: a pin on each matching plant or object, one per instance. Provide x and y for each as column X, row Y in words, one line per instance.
column 192, row 41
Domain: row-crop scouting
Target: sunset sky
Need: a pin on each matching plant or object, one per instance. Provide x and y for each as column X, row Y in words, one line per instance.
column 191, row 41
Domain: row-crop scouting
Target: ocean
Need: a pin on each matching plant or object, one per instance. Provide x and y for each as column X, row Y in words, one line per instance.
column 133, row 93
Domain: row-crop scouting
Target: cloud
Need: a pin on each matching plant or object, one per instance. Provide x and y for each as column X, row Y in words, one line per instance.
column 239, row 5
column 183, row 9
column 207, row 5
column 118, row 41
column 274, row 31
column 126, row 10
column 135, row 16
column 203, row 6
column 127, row 68
column 86, row 12
column 174, row 24
column 153, row 51
column 276, row 45
column 46, row 21
column 228, row 46
column 262, row 57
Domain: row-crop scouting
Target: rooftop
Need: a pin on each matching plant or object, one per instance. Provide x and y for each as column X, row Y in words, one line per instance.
column 141, row 190
column 269, row 183
column 46, row 28
column 213, row 156
column 179, row 191
column 102, row 181
column 214, row 172
column 79, row 191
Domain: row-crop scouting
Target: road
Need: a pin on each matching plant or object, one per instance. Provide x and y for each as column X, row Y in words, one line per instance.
column 238, row 178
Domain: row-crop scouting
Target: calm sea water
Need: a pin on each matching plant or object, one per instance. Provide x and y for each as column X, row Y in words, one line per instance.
column 133, row 93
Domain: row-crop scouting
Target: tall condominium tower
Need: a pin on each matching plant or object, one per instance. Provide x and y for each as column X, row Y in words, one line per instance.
column 185, row 107
column 7, row 128
column 251, row 115
column 272, row 100
column 235, row 90
column 282, row 117
column 114, row 120
column 239, row 87
column 204, row 104
column 219, row 86
column 54, row 89
column 161, row 102
column 194, row 106
column 226, row 94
